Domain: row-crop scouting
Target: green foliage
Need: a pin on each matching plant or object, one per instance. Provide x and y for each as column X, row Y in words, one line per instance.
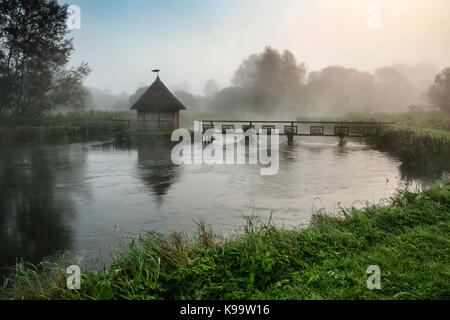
column 34, row 53
column 415, row 120
column 408, row 239
column 416, row 147
column 66, row 127
column 439, row 92
column 421, row 140
column 73, row 118
column 263, row 81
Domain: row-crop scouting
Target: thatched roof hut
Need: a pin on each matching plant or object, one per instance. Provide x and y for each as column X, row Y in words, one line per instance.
column 158, row 108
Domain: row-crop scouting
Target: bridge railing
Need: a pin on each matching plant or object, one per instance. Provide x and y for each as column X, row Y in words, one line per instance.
column 301, row 128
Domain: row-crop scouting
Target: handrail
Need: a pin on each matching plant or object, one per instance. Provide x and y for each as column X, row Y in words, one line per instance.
column 298, row 121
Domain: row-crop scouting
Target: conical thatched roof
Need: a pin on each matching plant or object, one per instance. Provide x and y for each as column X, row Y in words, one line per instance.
column 158, row 98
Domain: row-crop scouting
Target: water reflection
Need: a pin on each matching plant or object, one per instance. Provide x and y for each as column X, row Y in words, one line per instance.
column 36, row 207
column 423, row 176
column 156, row 169
column 80, row 197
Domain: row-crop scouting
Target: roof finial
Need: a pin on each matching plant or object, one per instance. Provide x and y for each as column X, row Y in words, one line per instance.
column 157, row 72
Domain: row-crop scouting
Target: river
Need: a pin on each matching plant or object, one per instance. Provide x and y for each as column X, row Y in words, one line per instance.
column 86, row 197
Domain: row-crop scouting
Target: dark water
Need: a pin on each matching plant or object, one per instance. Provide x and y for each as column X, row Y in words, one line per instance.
column 85, row 197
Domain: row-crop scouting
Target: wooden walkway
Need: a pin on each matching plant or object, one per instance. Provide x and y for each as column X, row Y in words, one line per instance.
column 300, row 128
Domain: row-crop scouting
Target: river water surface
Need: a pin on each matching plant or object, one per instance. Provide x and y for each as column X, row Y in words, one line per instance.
column 84, row 197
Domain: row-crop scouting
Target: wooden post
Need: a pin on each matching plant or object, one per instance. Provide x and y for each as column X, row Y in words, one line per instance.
column 290, row 136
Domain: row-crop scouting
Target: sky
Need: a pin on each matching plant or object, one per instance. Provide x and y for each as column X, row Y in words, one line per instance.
column 196, row 40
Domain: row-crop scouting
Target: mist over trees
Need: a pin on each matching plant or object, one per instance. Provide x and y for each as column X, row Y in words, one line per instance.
column 135, row 96
column 211, row 88
column 439, row 92
column 35, row 78
column 274, row 84
column 270, row 80
column 98, row 99
column 34, row 53
column 337, row 90
column 421, row 75
column 194, row 102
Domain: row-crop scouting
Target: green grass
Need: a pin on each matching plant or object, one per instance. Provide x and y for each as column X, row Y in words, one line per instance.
column 421, row 140
column 418, row 148
column 413, row 120
column 66, row 127
column 408, row 239
column 27, row 134
column 73, row 118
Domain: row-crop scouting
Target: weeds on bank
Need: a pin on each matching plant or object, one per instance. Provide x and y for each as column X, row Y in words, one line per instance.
column 408, row 239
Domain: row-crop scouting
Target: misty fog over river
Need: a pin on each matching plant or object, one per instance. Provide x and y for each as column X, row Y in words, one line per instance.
column 85, row 197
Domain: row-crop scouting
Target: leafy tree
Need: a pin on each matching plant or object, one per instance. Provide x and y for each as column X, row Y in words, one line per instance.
column 34, row 53
column 231, row 98
column 211, row 88
column 137, row 95
column 439, row 92
column 191, row 101
column 336, row 89
column 395, row 90
column 271, row 78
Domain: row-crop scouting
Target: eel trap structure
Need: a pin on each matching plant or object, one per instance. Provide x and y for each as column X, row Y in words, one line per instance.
column 340, row 129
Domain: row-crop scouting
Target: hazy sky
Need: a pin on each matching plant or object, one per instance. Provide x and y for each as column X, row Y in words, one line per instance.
column 193, row 41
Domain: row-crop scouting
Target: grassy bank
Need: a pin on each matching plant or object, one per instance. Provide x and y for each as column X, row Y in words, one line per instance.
column 413, row 120
column 62, row 127
column 416, row 147
column 408, row 240
column 421, row 140
column 28, row 134
column 71, row 119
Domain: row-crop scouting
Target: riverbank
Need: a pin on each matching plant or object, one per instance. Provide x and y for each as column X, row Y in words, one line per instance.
column 414, row 120
column 417, row 148
column 144, row 138
column 425, row 133
column 74, row 127
column 52, row 134
column 421, row 140
column 407, row 239
column 68, row 127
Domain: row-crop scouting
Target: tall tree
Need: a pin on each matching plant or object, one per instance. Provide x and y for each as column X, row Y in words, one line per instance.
column 34, row 53
column 439, row 92
column 271, row 78
column 211, row 88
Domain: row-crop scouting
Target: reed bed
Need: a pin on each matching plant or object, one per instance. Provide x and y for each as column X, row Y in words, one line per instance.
column 417, row 147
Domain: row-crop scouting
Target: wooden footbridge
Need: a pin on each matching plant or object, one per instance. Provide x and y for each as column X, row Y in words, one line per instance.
column 340, row 129
column 290, row 129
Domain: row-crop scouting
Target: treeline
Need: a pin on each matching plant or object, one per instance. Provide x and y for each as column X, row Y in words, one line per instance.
column 35, row 77
column 274, row 82
column 34, row 54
